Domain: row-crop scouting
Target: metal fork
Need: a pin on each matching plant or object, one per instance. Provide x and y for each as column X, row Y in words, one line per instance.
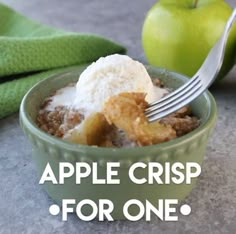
column 195, row 86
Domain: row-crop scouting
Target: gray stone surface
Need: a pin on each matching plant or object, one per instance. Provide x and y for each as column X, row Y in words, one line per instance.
column 23, row 203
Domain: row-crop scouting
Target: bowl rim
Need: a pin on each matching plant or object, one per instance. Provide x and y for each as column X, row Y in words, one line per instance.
column 28, row 123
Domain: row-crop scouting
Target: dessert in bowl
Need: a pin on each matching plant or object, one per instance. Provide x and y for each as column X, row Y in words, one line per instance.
column 106, row 107
column 181, row 147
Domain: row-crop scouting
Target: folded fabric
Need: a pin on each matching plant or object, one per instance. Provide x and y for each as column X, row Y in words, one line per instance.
column 28, row 47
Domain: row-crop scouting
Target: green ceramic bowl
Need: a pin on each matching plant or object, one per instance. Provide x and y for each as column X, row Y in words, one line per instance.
column 46, row 148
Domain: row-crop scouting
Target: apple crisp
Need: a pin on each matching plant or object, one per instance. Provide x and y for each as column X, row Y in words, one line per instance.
column 122, row 123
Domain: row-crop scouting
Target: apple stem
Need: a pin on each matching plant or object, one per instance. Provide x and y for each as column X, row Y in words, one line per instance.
column 195, row 4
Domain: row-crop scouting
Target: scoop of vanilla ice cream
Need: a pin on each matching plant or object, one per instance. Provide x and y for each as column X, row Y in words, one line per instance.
column 110, row 76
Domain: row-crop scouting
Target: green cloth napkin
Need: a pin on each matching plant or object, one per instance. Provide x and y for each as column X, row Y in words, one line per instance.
column 28, row 49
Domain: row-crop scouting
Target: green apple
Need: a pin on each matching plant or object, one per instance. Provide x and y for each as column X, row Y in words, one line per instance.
column 178, row 34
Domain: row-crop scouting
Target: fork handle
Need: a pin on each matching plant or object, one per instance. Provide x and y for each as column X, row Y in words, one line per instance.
column 214, row 55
